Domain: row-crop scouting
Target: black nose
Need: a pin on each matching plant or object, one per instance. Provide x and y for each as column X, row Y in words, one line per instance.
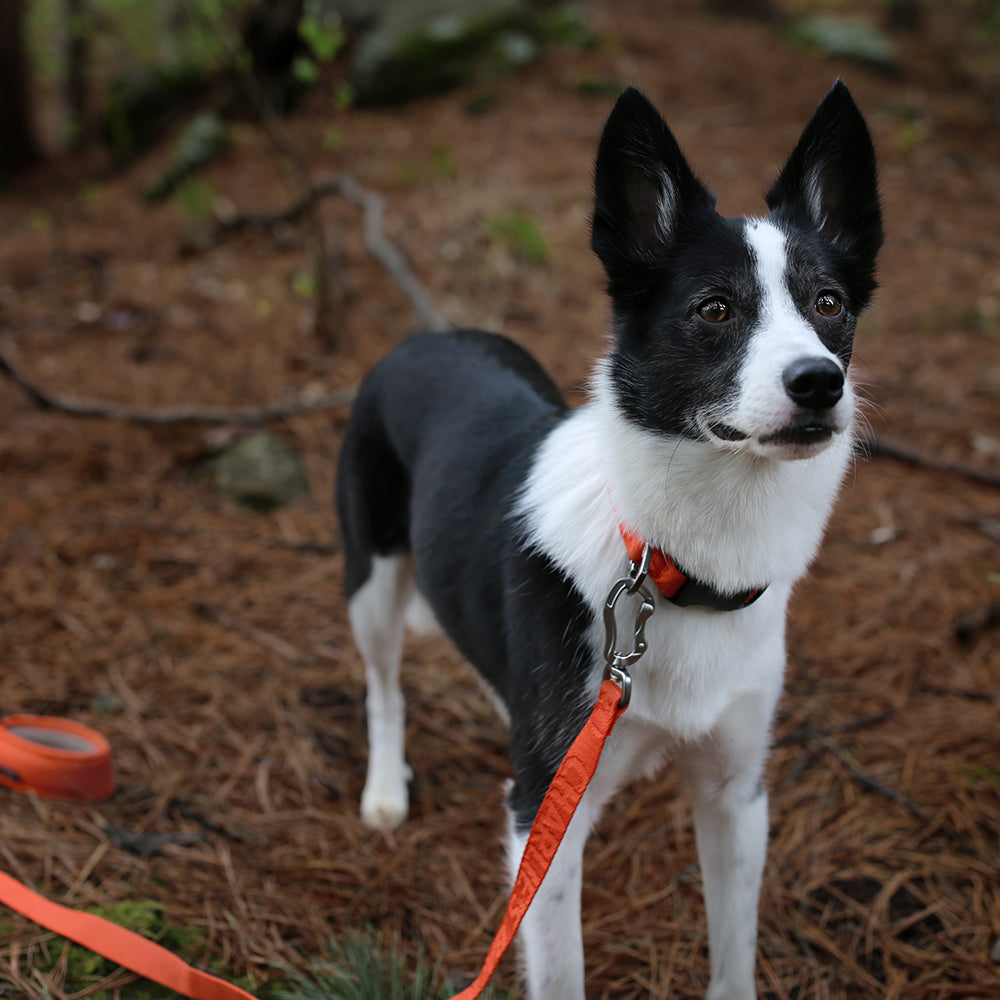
column 814, row 383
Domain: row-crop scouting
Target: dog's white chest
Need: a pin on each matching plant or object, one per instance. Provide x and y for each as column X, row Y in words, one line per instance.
column 699, row 662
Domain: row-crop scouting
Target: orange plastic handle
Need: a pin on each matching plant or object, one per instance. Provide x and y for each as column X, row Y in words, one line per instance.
column 56, row 758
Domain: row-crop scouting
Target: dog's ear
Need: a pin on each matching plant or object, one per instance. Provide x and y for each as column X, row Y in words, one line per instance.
column 831, row 177
column 643, row 185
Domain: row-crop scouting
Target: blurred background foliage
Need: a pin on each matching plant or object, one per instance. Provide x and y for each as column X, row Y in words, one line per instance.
column 119, row 71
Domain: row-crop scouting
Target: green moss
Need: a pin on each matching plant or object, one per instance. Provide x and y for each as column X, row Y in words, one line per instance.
column 84, row 968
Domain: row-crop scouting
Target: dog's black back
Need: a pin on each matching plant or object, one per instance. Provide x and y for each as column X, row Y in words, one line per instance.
column 434, row 458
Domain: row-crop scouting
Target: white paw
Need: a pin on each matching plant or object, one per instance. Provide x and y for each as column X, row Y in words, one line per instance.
column 746, row 991
column 384, row 807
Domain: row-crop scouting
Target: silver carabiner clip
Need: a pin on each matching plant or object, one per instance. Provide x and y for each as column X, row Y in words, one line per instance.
column 619, row 660
column 614, row 656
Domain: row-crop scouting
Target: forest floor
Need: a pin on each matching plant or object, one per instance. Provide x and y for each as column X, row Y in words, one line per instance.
column 209, row 643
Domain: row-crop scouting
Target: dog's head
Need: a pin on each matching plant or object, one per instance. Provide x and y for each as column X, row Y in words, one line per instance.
column 737, row 332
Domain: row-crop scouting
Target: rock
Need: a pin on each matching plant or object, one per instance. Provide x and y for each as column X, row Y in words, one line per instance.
column 260, row 472
column 420, row 47
column 200, row 141
column 846, row 38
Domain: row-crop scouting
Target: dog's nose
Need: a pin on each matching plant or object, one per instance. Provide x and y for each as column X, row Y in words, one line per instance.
column 814, row 383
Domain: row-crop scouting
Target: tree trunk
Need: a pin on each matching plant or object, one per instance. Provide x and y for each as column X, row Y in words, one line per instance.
column 18, row 147
column 75, row 13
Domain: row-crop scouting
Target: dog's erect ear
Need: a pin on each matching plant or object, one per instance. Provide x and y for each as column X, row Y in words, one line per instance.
column 642, row 183
column 831, row 176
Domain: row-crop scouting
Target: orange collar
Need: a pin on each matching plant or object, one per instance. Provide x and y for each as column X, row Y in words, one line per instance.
column 679, row 588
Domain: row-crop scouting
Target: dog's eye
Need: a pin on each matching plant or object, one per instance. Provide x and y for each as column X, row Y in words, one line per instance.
column 828, row 304
column 714, row 310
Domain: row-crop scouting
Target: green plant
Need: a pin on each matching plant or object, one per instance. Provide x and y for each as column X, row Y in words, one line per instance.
column 195, row 198
column 323, row 42
column 366, row 966
column 521, row 236
column 362, row 967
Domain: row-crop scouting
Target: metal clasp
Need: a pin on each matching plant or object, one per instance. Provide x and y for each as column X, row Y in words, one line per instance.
column 618, row 660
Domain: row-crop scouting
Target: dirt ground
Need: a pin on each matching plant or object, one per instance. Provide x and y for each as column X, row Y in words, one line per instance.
column 209, row 642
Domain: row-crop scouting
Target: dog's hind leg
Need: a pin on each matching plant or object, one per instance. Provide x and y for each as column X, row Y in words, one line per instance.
column 377, row 612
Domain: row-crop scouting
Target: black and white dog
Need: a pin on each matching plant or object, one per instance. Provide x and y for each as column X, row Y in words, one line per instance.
column 719, row 430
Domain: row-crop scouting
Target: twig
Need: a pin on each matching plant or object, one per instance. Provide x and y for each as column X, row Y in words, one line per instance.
column 866, row 780
column 823, row 738
column 168, row 415
column 388, row 253
column 267, row 640
column 806, row 733
column 987, row 697
column 880, row 447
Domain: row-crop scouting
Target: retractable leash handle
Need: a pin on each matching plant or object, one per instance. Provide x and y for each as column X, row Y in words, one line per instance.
column 56, row 758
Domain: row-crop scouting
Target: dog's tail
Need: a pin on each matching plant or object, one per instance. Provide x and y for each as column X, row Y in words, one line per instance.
column 372, row 493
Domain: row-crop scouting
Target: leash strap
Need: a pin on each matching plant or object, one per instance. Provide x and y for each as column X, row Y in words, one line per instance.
column 557, row 809
column 122, row 946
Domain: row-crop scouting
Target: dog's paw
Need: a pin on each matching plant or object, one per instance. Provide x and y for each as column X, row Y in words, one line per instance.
column 724, row 991
column 384, row 808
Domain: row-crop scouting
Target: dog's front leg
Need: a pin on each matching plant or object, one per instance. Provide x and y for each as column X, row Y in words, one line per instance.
column 550, row 937
column 731, row 823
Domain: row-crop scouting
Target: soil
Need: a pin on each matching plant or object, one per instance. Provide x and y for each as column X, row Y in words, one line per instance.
column 209, row 642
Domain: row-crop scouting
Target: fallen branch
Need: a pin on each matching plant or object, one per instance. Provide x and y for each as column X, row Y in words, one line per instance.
column 377, row 244
column 396, row 264
column 388, row 253
column 184, row 413
column 879, row 447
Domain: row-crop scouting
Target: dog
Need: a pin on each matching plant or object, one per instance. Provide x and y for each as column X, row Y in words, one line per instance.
column 718, row 431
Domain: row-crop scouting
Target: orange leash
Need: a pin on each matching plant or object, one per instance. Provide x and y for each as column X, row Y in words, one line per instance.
column 557, row 809
column 142, row 956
